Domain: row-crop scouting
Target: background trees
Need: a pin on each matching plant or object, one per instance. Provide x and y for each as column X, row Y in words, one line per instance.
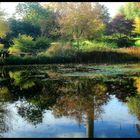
column 3, row 25
column 130, row 10
column 79, row 20
column 39, row 16
column 136, row 25
column 120, row 29
column 41, row 28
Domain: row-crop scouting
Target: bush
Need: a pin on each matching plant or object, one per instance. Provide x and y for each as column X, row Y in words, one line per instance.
column 124, row 42
column 41, row 43
column 90, row 45
column 55, row 47
column 22, row 43
column 1, row 46
column 59, row 49
column 120, row 42
column 137, row 43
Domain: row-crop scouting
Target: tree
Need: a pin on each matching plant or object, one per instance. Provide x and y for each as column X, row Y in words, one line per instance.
column 137, row 31
column 134, row 105
column 3, row 28
column 136, row 25
column 120, row 26
column 42, row 17
column 120, row 30
column 22, row 27
column 104, row 14
column 130, row 10
column 19, row 27
column 79, row 20
column 138, row 4
column 3, row 25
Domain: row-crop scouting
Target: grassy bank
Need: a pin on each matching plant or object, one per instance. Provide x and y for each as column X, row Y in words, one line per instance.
column 124, row 55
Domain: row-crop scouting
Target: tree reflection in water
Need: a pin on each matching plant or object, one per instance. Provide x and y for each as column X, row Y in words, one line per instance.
column 5, row 114
column 80, row 98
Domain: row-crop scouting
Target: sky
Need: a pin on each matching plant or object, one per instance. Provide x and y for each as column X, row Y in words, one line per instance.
column 112, row 7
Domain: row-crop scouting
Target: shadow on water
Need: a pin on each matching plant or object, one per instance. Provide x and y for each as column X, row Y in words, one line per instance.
column 33, row 90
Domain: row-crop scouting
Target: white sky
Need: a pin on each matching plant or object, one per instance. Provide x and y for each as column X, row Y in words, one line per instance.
column 112, row 7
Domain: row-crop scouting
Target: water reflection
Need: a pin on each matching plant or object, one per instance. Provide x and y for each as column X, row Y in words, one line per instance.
column 33, row 91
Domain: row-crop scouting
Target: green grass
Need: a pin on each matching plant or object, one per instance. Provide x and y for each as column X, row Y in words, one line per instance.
column 92, row 45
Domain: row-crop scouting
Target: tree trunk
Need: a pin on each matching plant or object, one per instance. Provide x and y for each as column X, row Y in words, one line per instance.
column 89, row 127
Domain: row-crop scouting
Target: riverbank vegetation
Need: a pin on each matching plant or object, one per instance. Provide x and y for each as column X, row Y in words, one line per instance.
column 67, row 32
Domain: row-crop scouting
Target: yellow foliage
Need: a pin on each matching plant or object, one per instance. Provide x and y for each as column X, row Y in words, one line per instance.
column 137, row 83
column 131, row 51
column 54, row 48
column 3, row 28
column 13, row 50
column 5, row 94
column 137, row 25
column 138, row 4
column 1, row 46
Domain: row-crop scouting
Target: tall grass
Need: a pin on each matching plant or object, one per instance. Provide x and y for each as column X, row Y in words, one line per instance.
column 132, row 51
column 92, row 45
column 127, row 55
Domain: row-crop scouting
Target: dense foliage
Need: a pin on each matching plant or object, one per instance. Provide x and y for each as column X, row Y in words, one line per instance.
column 65, row 29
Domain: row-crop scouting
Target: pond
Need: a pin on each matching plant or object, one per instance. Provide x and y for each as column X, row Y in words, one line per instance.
column 52, row 101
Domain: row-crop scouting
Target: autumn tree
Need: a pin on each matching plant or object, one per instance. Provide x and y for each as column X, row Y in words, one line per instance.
column 137, row 31
column 136, row 25
column 138, row 4
column 79, row 20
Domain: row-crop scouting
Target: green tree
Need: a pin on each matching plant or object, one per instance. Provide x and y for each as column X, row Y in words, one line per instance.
column 3, row 25
column 104, row 14
column 40, row 16
column 130, row 10
column 134, row 105
column 22, row 27
column 41, row 43
column 19, row 27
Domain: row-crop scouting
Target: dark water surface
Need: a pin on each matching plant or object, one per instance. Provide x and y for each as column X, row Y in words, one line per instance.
column 50, row 101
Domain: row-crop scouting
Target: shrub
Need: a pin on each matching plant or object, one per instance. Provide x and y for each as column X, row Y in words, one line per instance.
column 124, row 42
column 53, row 49
column 60, row 50
column 1, row 46
column 41, row 43
column 137, row 43
column 90, row 45
column 22, row 43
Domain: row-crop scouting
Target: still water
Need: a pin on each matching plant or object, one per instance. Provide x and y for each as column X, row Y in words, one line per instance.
column 52, row 101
